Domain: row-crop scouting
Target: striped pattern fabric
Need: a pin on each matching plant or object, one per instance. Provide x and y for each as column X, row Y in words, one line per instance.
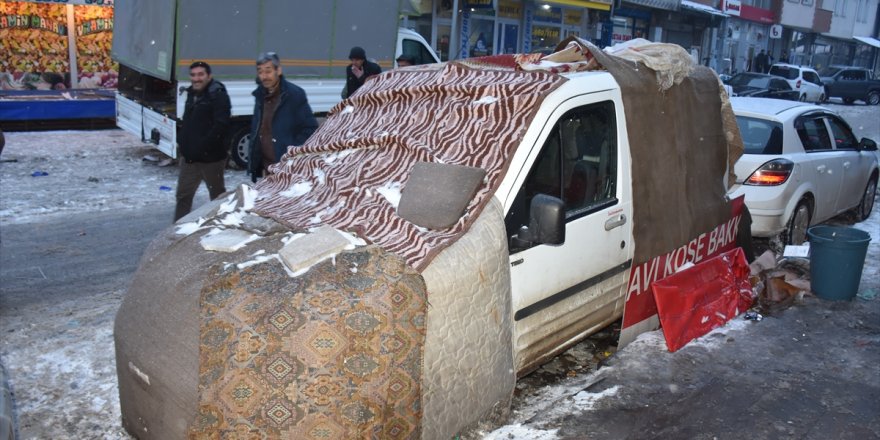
column 351, row 172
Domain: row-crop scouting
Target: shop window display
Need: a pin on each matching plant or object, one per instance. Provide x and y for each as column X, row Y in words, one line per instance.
column 34, row 38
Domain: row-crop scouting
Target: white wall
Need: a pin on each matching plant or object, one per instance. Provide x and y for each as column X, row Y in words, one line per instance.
column 842, row 25
column 797, row 15
column 865, row 29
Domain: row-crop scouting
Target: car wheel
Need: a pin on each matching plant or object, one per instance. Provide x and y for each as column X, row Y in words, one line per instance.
column 822, row 98
column 873, row 98
column 239, row 145
column 848, row 100
column 796, row 233
column 863, row 211
column 803, row 98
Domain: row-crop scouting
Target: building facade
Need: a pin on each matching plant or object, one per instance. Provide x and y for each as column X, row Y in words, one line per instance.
column 726, row 35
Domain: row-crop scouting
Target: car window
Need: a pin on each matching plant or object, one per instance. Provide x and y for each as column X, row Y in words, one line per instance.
column 813, row 135
column 784, row 71
column 760, row 136
column 812, row 77
column 854, row 75
column 843, row 136
column 779, row 84
column 417, row 51
column 578, row 164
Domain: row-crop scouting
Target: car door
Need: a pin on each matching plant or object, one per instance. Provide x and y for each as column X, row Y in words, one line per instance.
column 813, row 86
column 851, row 81
column 822, row 165
column 856, row 164
column 561, row 292
column 780, row 89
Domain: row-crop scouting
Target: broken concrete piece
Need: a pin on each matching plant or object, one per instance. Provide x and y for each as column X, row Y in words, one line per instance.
column 227, row 240
column 261, row 225
column 305, row 251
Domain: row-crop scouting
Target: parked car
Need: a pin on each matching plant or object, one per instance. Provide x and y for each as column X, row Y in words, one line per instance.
column 801, row 166
column 803, row 79
column 760, row 85
column 851, row 84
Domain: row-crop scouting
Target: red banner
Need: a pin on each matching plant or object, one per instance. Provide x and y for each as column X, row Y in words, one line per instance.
column 640, row 304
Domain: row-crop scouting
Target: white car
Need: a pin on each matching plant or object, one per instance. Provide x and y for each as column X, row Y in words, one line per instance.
column 802, row 165
column 803, row 79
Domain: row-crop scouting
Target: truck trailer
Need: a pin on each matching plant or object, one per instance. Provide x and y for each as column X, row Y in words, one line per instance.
column 155, row 42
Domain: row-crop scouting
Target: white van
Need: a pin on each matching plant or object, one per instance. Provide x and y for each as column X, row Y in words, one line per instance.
column 475, row 220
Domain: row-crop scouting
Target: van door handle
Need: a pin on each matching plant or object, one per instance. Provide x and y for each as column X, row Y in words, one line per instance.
column 612, row 223
column 821, row 168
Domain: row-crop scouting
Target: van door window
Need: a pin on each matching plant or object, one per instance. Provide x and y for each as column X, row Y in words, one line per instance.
column 577, row 164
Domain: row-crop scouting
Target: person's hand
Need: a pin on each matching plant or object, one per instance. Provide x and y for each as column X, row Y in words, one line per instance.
column 357, row 71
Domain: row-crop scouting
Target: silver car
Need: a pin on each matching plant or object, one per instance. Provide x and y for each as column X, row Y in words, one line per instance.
column 802, row 165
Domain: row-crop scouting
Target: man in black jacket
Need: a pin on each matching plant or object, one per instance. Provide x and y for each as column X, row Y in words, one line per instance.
column 200, row 139
column 282, row 116
column 358, row 71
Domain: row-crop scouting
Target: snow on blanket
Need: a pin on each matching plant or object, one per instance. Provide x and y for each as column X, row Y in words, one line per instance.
column 347, row 173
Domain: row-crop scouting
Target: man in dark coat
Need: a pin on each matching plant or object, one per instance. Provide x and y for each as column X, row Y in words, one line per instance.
column 201, row 138
column 282, row 116
column 358, row 71
column 762, row 62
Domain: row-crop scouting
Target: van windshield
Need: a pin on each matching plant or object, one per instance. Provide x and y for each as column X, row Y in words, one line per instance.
column 784, row 71
column 760, row 136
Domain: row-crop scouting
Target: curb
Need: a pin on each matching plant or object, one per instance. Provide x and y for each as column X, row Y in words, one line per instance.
column 7, row 422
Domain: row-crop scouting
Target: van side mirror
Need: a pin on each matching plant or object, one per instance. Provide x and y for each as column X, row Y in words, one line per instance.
column 546, row 222
column 867, row 145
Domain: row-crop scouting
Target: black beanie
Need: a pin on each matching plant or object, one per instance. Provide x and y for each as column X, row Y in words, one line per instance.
column 357, row 53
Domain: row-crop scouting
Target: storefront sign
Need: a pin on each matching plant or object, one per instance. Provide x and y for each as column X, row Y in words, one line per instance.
column 74, row 2
column 573, row 16
column 732, row 7
column 92, row 26
column 32, row 22
column 776, row 31
column 640, row 306
column 759, row 15
column 509, row 9
column 478, row 4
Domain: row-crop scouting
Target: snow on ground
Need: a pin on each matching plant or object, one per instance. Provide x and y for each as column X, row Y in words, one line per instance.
column 85, row 171
column 57, row 355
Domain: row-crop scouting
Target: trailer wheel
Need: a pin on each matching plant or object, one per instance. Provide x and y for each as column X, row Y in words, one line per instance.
column 239, row 144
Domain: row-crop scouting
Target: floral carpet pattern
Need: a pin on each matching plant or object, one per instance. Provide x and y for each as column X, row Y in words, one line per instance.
column 334, row 353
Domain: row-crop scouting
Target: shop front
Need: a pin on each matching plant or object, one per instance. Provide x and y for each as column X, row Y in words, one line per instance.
column 492, row 27
column 747, row 34
column 56, row 60
column 57, row 45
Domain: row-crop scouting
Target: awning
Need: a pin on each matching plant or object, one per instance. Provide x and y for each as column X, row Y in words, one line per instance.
column 668, row 5
column 699, row 7
column 602, row 5
column 869, row 41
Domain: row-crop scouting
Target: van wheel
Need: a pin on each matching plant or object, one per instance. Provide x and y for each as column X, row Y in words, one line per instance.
column 803, row 98
column 239, row 144
column 873, row 98
column 823, row 98
column 848, row 101
column 863, row 211
column 796, row 233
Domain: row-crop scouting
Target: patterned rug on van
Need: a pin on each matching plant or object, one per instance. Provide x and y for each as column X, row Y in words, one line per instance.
column 333, row 354
column 351, row 172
